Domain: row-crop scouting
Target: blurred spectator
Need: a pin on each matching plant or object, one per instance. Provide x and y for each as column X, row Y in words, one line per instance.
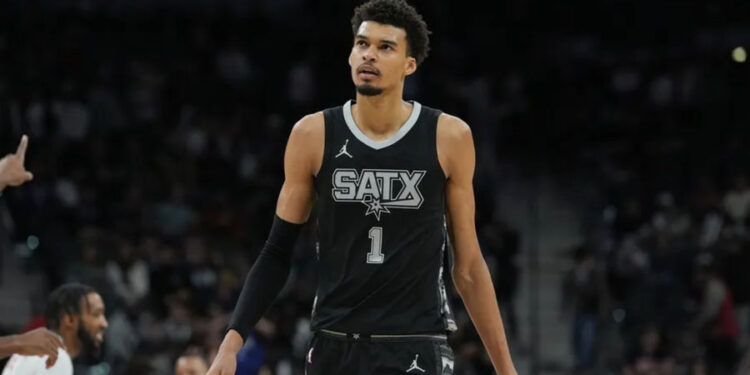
column 716, row 318
column 128, row 275
column 192, row 362
column 251, row 358
column 581, row 295
column 501, row 244
column 737, row 199
column 649, row 355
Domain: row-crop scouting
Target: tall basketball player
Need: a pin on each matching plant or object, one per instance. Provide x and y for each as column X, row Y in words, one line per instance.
column 389, row 175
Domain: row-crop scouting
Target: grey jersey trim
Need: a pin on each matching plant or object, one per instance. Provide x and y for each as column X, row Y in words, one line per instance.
column 356, row 336
column 377, row 145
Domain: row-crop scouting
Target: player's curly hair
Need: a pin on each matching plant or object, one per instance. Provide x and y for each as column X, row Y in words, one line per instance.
column 67, row 299
column 400, row 14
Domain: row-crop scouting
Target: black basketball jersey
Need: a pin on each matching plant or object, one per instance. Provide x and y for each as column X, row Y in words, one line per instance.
column 381, row 229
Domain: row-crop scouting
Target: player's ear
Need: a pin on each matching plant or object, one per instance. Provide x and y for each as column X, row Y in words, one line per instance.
column 411, row 65
column 70, row 321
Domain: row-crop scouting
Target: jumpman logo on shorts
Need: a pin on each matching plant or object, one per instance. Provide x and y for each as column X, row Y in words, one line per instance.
column 415, row 366
column 344, row 152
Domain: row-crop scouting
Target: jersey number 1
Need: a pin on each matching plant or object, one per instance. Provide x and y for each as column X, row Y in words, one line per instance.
column 375, row 256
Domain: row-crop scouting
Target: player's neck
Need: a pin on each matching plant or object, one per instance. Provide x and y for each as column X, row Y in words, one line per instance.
column 380, row 116
column 72, row 345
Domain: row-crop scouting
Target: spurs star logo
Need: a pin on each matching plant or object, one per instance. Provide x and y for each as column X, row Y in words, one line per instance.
column 344, row 152
column 375, row 207
column 414, row 366
column 380, row 190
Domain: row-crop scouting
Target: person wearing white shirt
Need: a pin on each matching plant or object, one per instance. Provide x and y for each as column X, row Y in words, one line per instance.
column 76, row 313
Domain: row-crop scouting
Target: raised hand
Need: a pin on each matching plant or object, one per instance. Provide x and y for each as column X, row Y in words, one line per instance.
column 12, row 170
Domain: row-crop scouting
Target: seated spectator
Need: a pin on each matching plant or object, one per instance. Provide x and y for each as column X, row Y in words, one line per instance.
column 129, row 276
column 650, row 355
column 716, row 318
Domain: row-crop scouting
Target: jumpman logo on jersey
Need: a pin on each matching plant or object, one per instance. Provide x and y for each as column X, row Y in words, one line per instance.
column 415, row 366
column 344, row 152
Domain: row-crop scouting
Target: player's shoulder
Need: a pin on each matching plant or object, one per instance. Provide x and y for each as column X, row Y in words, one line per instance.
column 24, row 364
column 64, row 364
column 452, row 128
column 306, row 142
column 308, row 131
column 309, row 125
column 454, row 141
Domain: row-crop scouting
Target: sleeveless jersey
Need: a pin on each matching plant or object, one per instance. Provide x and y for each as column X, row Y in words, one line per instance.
column 381, row 229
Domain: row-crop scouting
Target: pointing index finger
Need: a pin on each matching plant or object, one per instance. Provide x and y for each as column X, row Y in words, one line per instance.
column 21, row 152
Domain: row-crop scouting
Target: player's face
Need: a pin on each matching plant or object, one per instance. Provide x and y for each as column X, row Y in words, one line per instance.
column 93, row 322
column 190, row 366
column 379, row 58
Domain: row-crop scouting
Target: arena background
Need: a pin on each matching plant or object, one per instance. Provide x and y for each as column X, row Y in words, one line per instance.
column 612, row 168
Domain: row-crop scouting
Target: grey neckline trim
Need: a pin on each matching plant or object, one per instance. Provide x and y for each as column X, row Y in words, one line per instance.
column 386, row 142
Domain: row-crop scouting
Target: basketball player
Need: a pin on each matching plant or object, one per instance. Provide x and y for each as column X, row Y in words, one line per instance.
column 12, row 171
column 76, row 313
column 387, row 175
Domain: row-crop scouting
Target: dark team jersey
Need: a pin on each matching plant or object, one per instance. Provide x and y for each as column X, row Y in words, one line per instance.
column 381, row 229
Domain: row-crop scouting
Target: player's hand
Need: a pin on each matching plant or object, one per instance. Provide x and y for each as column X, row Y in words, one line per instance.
column 224, row 364
column 41, row 342
column 12, row 170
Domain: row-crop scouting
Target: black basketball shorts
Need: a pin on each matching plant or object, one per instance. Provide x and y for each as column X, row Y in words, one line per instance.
column 334, row 353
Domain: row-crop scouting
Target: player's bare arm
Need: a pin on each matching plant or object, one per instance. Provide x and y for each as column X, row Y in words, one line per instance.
column 12, row 170
column 40, row 341
column 302, row 160
column 470, row 273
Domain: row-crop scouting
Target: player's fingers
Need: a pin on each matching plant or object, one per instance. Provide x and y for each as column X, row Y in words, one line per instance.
column 21, row 152
column 50, row 350
column 28, row 176
column 52, row 359
column 55, row 342
column 216, row 371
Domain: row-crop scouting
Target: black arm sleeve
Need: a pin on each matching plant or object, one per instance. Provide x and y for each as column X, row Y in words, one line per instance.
column 266, row 278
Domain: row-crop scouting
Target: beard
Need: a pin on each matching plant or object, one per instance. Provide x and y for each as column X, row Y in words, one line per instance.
column 369, row 90
column 91, row 351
